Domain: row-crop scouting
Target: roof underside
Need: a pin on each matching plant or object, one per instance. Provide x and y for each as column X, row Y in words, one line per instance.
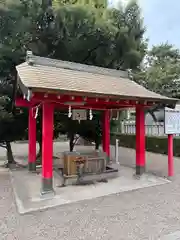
column 45, row 74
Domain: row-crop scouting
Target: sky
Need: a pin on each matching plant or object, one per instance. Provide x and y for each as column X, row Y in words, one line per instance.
column 162, row 20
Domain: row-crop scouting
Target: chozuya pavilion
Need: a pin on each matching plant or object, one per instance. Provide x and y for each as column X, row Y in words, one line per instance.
column 50, row 84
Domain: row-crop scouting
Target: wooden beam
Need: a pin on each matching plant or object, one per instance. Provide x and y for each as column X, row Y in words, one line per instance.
column 62, row 101
column 45, row 97
column 19, row 102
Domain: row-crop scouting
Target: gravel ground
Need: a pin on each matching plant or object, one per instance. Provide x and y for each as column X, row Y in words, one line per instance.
column 149, row 213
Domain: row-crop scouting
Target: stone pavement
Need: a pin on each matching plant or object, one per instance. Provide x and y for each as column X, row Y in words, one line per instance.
column 27, row 187
column 172, row 236
column 150, row 213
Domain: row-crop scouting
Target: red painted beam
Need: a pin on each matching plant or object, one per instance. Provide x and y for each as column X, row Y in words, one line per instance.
column 102, row 101
column 97, row 107
column 19, row 102
column 63, row 100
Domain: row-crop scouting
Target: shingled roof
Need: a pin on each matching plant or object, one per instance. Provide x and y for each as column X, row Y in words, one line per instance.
column 39, row 73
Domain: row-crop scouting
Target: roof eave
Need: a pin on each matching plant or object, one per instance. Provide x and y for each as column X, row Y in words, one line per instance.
column 90, row 94
column 26, row 91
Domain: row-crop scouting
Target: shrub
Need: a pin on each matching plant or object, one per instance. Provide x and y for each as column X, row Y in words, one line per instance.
column 153, row 143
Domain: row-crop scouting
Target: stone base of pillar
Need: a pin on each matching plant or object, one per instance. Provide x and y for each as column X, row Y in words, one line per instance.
column 47, row 186
column 140, row 170
column 32, row 166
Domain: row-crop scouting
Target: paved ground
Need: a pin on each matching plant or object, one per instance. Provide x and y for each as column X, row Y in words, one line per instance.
column 149, row 213
column 27, row 187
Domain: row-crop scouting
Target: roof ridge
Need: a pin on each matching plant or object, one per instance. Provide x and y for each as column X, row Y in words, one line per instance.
column 37, row 60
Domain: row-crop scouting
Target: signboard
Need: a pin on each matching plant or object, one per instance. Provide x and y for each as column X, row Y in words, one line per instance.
column 172, row 121
column 79, row 114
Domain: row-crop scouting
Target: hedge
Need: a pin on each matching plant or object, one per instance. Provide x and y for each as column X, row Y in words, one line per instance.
column 153, row 143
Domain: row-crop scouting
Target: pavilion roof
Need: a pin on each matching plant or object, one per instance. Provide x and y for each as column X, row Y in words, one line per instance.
column 45, row 74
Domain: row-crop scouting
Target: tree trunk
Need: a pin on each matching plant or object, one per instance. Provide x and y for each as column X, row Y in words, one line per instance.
column 97, row 136
column 71, row 142
column 10, row 156
column 97, row 144
column 39, row 154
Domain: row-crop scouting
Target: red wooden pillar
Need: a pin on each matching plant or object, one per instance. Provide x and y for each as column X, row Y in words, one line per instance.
column 140, row 140
column 47, row 147
column 106, row 133
column 32, row 141
column 170, row 156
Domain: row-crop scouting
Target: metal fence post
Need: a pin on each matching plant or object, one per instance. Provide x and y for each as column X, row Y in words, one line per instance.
column 116, row 151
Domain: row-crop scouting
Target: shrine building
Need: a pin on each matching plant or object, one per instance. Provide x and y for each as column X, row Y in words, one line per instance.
column 54, row 84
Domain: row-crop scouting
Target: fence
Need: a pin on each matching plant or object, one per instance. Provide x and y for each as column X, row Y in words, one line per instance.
column 156, row 129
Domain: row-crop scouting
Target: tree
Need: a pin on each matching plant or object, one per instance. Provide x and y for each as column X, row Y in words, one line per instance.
column 110, row 46
column 99, row 4
column 161, row 70
column 12, row 123
column 129, row 44
column 108, row 38
column 14, row 39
